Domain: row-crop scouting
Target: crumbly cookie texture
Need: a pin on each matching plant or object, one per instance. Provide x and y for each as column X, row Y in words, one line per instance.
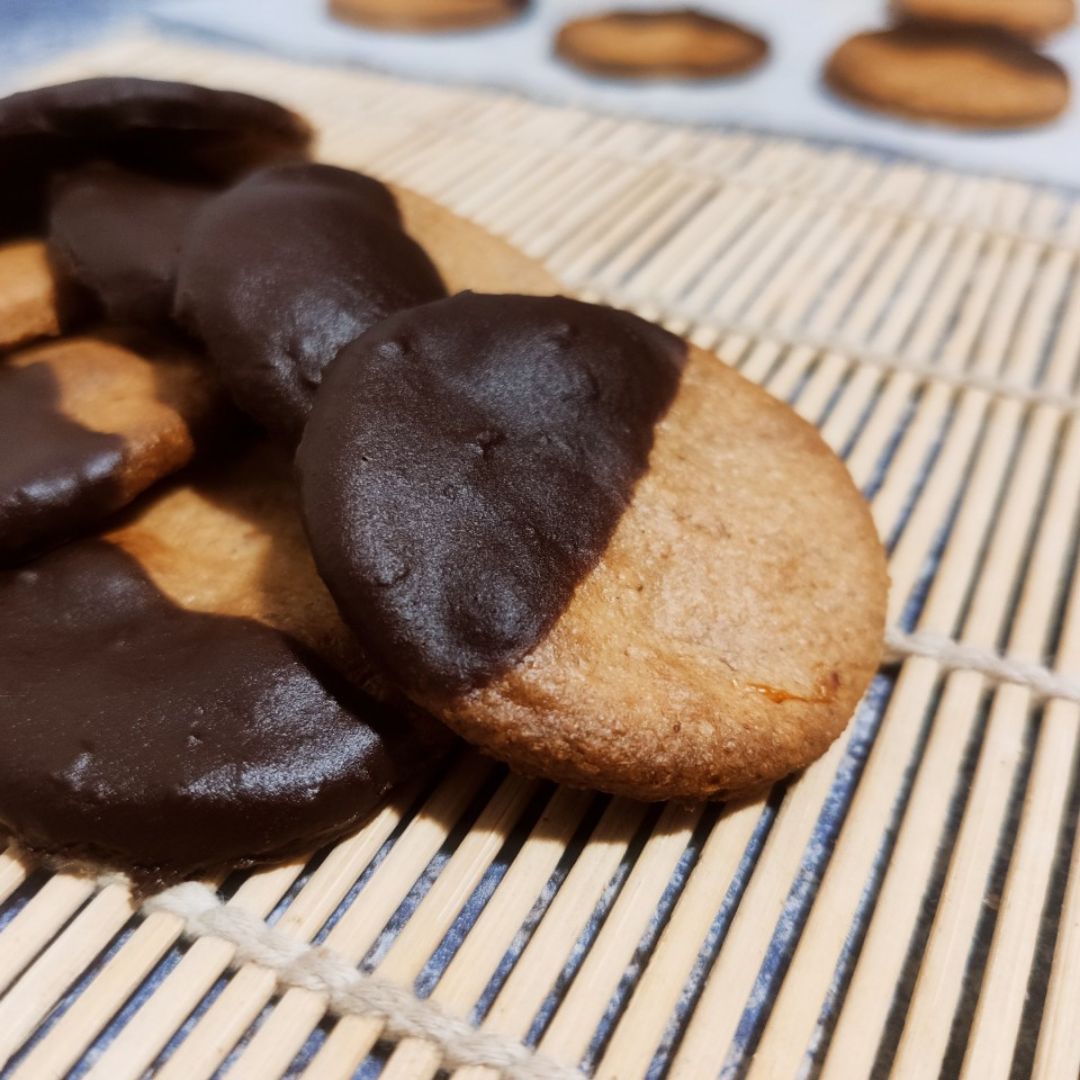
column 967, row 77
column 730, row 628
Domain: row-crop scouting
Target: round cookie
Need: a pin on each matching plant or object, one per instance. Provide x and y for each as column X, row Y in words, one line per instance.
column 1033, row 19
column 119, row 233
column 282, row 270
column 87, row 424
column 181, row 693
column 592, row 550
column 667, row 43
column 966, row 77
column 167, row 127
column 427, row 15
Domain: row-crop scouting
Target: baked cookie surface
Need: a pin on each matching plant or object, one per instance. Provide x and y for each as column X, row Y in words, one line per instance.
column 965, row 77
column 181, row 693
column 1034, row 19
column 727, row 614
column 427, row 15
column 678, row 43
column 88, row 423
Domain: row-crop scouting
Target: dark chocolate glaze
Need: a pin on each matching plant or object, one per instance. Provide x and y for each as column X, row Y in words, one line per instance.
column 56, row 477
column 139, row 734
column 466, row 464
column 173, row 128
column 118, row 233
column 282, row 270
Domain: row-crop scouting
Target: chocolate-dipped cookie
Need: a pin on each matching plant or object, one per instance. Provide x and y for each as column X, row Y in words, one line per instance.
column 86, row 424
column 968, row 77
column 119, row 233
column 591, row 549
column 427, row 15
column 168, row 127
column 30, row 295
column 1033, row 19
column 666, row 43
column 181, row 692
column 282, row 270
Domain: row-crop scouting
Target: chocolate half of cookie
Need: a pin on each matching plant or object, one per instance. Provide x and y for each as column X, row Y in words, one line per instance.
column 163, row 712
column 594, row 551
column 679, row 43
column 168, row 127
column 119, row 233
column 282, row 270
column 86, row 424
column 969, row 77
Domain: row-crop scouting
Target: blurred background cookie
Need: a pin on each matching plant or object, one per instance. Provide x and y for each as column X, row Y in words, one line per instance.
column 1034, row 19
column 422, row 15
column 969, row 77
column 667, row 43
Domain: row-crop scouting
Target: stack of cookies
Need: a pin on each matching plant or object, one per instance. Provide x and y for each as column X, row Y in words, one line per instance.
column 966, row 63
column 301, row 475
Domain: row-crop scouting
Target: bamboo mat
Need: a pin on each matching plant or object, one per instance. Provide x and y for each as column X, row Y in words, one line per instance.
column 911, row 905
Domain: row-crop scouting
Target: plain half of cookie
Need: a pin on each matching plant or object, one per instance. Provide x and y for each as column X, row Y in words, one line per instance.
column 30, row 301
column 466, row 255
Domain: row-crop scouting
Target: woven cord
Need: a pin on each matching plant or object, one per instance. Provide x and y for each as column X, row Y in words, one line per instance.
column 1042, row 681
column 349, row 991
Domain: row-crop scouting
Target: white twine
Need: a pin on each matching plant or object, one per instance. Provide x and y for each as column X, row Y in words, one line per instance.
column 349, row 991
column 1042, row 681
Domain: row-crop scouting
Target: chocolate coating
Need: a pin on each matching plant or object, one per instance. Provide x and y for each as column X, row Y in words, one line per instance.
column 169, row 127
column 466, row 464
column 119, row 234
column 140, row 734
column 55, row 475
column 282, row 270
